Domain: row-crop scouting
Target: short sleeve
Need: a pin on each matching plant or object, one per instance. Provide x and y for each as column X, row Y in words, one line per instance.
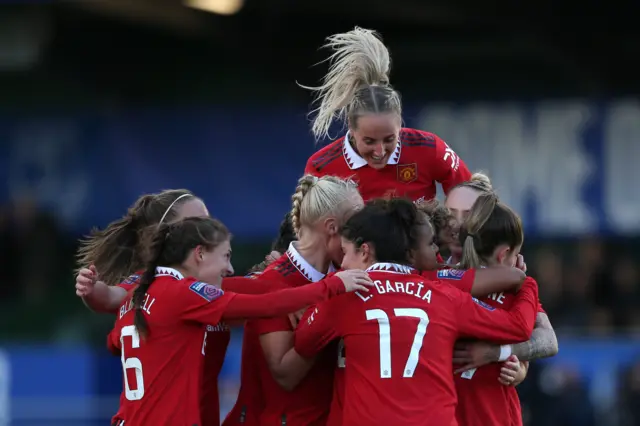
column 541, row 309
column 317, row 327
column 448, row 168
column 200, row 302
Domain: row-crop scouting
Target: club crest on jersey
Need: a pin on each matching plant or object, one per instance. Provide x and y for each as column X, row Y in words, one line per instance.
column 451, row 274
column 484, row 305
column 407, row 173
column 131, row 279
column 206, row 291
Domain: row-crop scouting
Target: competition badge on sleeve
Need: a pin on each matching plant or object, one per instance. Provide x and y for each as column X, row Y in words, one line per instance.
column 206, row 291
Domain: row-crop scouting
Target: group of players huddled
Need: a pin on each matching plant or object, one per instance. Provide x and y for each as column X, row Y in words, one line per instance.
column 353, row 318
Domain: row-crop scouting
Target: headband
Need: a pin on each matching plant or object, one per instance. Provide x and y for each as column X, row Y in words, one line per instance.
column 170, row 206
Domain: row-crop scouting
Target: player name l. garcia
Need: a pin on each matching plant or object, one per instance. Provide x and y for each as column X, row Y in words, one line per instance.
column 415, row 289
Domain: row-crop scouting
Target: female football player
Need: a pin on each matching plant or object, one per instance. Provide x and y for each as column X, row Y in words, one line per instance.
column 320, row 206
column 161, row 326
column 399, row 337
column 490, row 235
column 116, row 253
column 385, row 159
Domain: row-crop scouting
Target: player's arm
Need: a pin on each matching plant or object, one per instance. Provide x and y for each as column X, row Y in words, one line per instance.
column 247, row 285
column 286, row 366
column 448, row 168
column 208, row 304
column 105, row 298
column 317, row 328
column 286, row 363
column 477, row 319
column 276, row 339
column 484, row 281
column 542, row 344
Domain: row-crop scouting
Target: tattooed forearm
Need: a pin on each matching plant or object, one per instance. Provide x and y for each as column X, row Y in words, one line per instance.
column 543, row 342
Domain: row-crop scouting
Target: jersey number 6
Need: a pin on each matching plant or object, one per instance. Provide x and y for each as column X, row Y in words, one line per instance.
column 133, row 362
column 385, row 338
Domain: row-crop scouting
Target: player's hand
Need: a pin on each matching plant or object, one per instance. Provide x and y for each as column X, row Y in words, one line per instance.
column 86, row 281
column 355, row 280
column 513, row 372
column 521, row 264
column 272, row 257
column 474, row 354
column 295, row 317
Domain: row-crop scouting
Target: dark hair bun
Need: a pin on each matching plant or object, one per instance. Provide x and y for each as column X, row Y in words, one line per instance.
column 403, row 211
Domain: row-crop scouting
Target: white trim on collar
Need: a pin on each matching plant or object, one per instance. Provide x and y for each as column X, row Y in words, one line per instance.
column 355, row 161
column 304, row 267
column 391, row 267
column 164, row 271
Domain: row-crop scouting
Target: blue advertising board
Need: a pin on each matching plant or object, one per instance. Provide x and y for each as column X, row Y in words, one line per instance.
column 568, row 167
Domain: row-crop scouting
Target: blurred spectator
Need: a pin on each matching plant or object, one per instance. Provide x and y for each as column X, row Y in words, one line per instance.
column 630, row 397
column 626, row 296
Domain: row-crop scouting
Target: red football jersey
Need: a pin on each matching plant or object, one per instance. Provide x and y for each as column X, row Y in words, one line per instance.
column 482, row 400
column 419, row 160
column 216, row 342
column 309, row 403
column 407, row 379
column 172, row 355
column 461, row 279
column 162, row 374
column 250, row 401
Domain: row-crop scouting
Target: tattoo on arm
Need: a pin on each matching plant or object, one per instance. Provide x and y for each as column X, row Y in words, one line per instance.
column 543, row 342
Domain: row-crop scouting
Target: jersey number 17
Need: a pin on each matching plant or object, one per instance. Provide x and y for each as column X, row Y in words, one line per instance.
column 384, row 331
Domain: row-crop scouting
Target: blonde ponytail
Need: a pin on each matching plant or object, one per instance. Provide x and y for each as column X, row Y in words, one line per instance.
column 315, row 198
column 360, row 59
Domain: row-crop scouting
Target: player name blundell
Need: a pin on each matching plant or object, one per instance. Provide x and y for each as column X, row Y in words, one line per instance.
column 146, row 306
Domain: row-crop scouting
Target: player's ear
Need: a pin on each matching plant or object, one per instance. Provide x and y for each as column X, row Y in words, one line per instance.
column 366, row 252
column 331, row 226
column 198, row 253
column 501, row 252
column 412, row 257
